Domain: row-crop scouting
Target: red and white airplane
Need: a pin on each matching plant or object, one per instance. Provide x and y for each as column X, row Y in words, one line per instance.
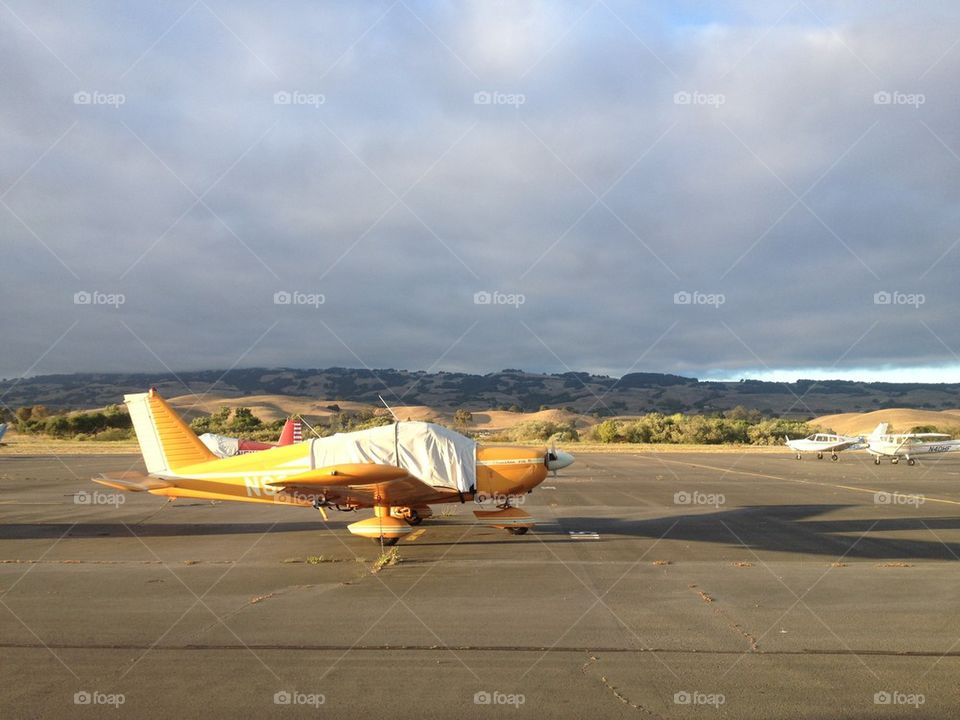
column 223, row 446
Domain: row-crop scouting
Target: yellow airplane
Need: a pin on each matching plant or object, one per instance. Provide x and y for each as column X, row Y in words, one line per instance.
column 399, row 470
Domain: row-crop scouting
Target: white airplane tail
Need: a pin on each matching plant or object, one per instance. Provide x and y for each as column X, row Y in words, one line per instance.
column 879, row 430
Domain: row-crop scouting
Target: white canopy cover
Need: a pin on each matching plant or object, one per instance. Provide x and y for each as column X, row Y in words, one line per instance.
column 220, row 445
column 431, row 453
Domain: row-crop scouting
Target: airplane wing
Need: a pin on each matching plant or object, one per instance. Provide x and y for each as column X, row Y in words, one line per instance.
column 364, row 484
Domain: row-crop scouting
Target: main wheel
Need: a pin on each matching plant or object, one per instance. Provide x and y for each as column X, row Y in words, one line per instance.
column 911, row 461
column 819, row 456
column 834, row 457
column 895, row 461
column 799, row 457
column 386, row 541
column 518, row 530
column 415, row 518
column 876, row 461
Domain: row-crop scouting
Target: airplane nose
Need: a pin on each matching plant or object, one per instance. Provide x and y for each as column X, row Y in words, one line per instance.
column 558, row 459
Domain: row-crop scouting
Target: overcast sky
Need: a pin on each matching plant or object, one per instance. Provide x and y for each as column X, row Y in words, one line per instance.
column 721, row 190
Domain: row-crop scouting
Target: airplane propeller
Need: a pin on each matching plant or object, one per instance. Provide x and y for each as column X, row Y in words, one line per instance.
column 557, row 459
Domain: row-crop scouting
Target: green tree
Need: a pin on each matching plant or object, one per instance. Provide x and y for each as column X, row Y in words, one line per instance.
column 462, row 417
column 608, row 431
column 244, row 421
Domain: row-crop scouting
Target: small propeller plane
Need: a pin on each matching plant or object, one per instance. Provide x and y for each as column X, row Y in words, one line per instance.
column 882, row 443
column 399, row 470
column 821, row 443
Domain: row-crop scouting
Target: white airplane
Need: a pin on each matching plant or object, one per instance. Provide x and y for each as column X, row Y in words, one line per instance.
column 821, row 443
column 882, row 443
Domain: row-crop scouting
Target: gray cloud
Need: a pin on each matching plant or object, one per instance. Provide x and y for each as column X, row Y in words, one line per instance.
column 775, row 179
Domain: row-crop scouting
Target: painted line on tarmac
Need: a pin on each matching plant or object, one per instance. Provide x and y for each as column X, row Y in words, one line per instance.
column 415, row 534
column 584, row 535
column 732, row 471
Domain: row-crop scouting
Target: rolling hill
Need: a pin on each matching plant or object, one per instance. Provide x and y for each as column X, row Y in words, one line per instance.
column 418, row 393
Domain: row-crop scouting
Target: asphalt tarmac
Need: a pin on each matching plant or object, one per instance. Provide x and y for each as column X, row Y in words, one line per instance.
column 672, row 585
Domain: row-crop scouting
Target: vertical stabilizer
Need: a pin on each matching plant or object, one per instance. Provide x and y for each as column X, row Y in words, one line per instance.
column 166, row 441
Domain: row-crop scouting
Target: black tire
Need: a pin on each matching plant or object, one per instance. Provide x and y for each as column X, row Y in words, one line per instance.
column 518, row 530
column 834, row 457
column 414, row 518
column 876, row 461
column 911, row 461
column 799, row 457
column 894, row 461
column 819, row 456
column 386, row 541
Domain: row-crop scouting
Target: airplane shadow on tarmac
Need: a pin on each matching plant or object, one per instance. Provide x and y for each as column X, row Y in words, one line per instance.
column 778, row 528
column 791, row 529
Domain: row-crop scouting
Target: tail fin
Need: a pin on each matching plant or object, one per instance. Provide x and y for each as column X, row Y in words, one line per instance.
column 880, row 429
column 292, row 432
column 166, row 441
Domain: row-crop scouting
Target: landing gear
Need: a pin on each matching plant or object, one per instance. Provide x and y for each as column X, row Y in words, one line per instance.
column 911, row 461
column 819, row 456
column 413, row 515
column 382, row 527
column 834, row 457
column 799, row 456
column 876, row 461
column 506, row 517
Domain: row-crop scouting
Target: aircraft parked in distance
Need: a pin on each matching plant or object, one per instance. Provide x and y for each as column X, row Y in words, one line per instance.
column 223, row 446
column 882, row 443
column 821, row 443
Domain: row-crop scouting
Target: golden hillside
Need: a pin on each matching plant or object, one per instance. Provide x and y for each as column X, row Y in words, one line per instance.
column 902, row 419
column 275, row 407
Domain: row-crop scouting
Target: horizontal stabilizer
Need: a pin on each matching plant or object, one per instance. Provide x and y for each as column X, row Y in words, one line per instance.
column 340, row 475
column 131, row 482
